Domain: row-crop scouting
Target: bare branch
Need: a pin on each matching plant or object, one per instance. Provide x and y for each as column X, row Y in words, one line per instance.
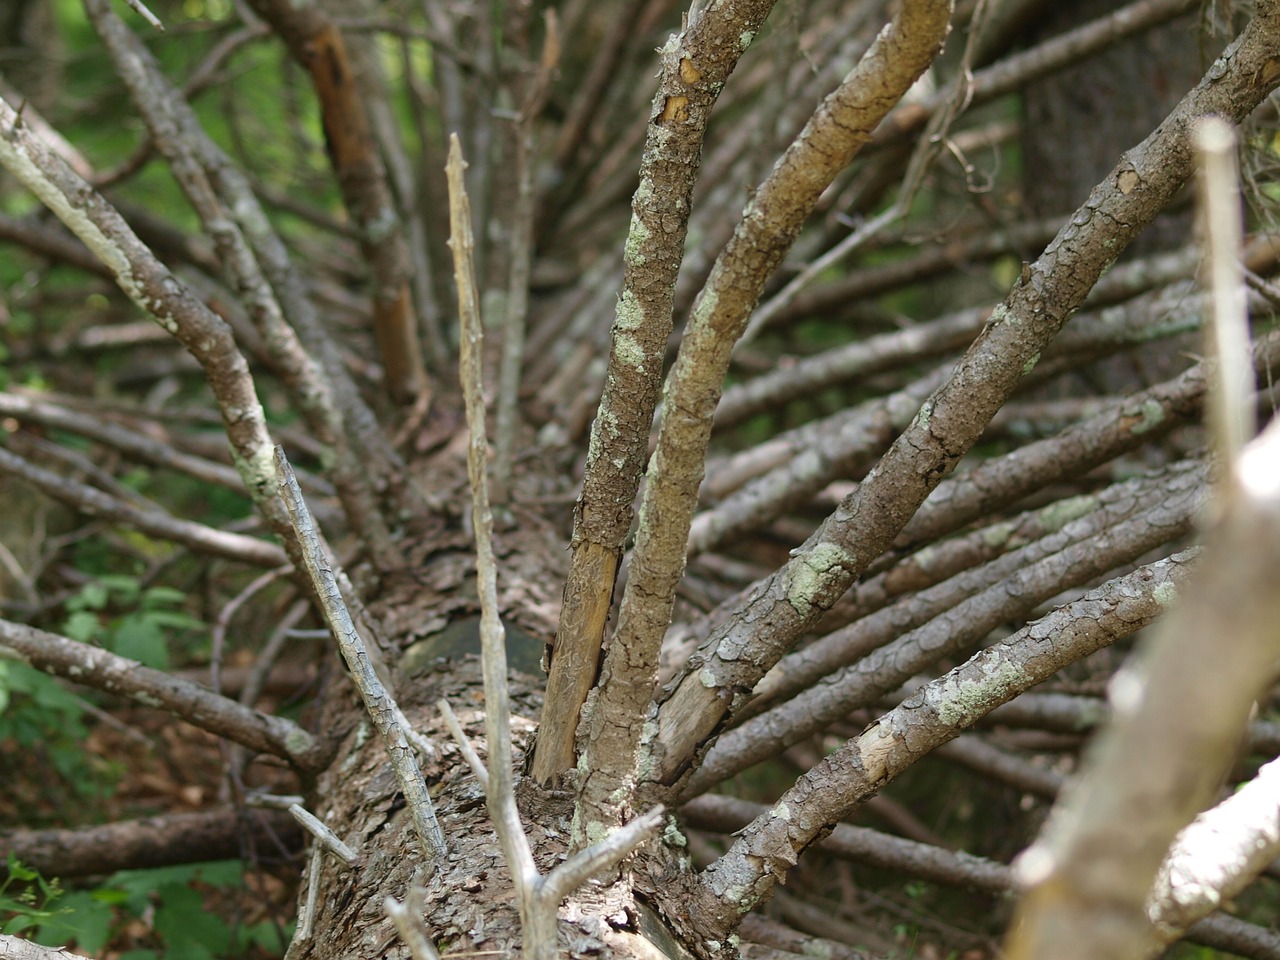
column 695, row 65
column 407, row 917
column 1216, row 856
column 464, row 745
column 599, row 857
column 324, row 837
column 778, row 610
column 161, row 295
column 539, row 930
column 201, row 168
column 316, row 43
column 953, row 629
column 132, row 443
column 378, row 701
column 765, row 852
column 152, row 521
column 197, row 705
column 13, row 948
column 1178, row 713
column 772, row 220
column 1230, row 405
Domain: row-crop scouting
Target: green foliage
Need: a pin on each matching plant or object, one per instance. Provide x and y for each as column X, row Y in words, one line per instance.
column 39, row 717
column 169, row 900
column 139, row 632
column 26, row 898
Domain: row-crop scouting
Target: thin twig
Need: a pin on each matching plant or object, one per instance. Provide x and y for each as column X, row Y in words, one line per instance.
column 407, row 917
column 500, row 791
column 307, row 914
column 598, row 857
column 324, row 836
column 538, row 897
column 140, row 8
column 377, row 699
column 460, row 737
column 1231, row 408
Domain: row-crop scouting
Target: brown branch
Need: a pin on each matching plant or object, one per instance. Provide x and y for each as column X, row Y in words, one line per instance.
column 152, row 521
column 810, row 457
column 761, row 628
column 842, row 123
column 159, row 841
column 695, row 65
column 1071, row 522
column 132, row 443
column 948, row 633
column 1054, row 54
column 316, row 43
column 1180, row 710
column 197, row 705
column 764, row 853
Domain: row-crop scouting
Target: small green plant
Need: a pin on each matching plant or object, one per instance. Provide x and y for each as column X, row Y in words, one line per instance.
column 139, row 631
column 43, row 720
column 169, row 900
column 26, row 898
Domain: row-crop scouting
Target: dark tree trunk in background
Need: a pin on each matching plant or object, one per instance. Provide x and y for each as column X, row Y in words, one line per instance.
column 1072, row 121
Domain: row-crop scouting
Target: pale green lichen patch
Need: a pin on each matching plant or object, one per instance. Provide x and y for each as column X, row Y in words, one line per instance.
column 705, row 308
column 596, row 832
column 1031, row 364
column 672, row 836
column 637, row 236
column 298, row 741
column 1165, row 594
column 707, row 678
column 813, row 573
column 925, row 414
column 782, row 812
column 629, row 314
column 960, row 701
column 627, row 349
column 1058, row 515
column 1152, row 415
column 258, row 470
column 997, row 535
column 745, row 38
column 1000, row 314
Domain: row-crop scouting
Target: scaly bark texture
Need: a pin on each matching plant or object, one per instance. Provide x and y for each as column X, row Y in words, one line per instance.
column 769, row 847
column 751, row 636
column 841, row 125
column 695, row 65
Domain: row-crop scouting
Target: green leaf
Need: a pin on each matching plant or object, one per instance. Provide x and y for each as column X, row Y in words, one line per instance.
column 80, row 917
column 93, row 596
column 188, row 929
column 160, row 596
column 81, row 625
column 139, row 638
column 18, row 870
